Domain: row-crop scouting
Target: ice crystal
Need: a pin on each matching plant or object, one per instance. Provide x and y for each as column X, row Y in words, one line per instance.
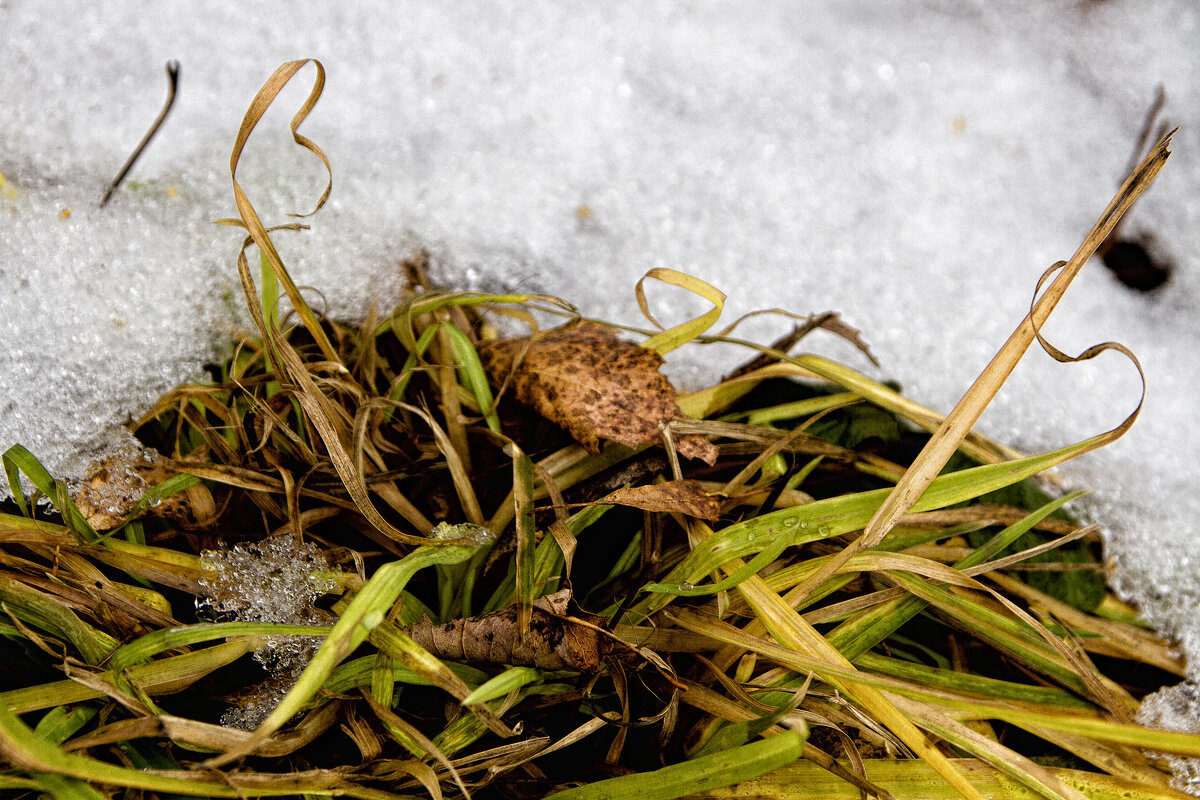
column 275, row 580
column 477, row 534
column 1176, row 708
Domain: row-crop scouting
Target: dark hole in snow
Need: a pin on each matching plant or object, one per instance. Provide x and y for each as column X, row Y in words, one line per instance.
column 1133, row 265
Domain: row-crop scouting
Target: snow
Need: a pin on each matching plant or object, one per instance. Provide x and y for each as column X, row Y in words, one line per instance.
column 275, row 580
column 914, row 165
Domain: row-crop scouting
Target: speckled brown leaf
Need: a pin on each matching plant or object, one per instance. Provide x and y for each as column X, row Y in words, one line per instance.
column 555, row 640
column 585, row 379
column 683, row 497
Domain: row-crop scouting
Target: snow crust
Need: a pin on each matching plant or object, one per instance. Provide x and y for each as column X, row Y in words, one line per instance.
column 914, row 165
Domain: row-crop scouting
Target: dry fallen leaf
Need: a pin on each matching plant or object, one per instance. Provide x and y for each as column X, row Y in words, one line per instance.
column 556, row 639
column 116, row 484
column 683, row 497
column 584, row 378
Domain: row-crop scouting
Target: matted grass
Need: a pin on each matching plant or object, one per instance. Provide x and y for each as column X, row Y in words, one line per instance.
column 447, row 595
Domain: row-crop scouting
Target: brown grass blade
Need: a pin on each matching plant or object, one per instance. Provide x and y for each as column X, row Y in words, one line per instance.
column 946, row 439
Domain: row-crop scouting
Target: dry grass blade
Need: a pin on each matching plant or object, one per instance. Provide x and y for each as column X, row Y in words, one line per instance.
column 172, row 85
column 790, row 630
column 964, row 416
column 249, row 218
column 946, row 439
column 296, row 480
column 314, row 403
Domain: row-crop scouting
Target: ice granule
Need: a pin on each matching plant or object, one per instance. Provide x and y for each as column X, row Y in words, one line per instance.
column 114, row 486
column 1176, row 708
column 249, row 708
column 477, row 534
column 275, row 580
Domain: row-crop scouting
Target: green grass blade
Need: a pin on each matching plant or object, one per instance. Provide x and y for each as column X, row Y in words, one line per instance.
column 60, row 787
column 843, row 514
column 46, row 612
column 548, row 561
column 159, row 677
column 18, row 460
column 470, row 371
column 63, row 722
column 363, row 614
column 417, row 350
column 510, row 680
column 361, row 671
column 970, row 683
column 699, row 775
column 760, row 561
column 792, row 410
column 858, row 635
column 146, row 647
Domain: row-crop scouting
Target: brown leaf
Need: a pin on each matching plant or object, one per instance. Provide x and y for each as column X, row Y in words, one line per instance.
column 584, row 378
column 683, row 497
column 115, row 484
column 555, row 639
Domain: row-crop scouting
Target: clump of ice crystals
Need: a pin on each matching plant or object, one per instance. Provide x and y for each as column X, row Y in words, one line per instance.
column 275, row 580
column 114, row 486
column 476, row 534
column 1176, row 708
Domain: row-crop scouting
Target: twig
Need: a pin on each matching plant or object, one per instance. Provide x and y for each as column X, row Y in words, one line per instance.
column 172, row 84
column 1139, row 150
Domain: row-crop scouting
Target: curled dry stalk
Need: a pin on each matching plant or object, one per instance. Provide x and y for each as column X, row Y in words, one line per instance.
column 948, row 436
column 543, row 587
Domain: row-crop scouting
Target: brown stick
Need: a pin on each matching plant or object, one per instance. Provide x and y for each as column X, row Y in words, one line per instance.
column 172, row 85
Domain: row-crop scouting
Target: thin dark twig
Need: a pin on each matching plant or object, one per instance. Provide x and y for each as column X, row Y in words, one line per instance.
column 1139, row 152
column 172, row 84
column 1143, row 139
column 782, row 344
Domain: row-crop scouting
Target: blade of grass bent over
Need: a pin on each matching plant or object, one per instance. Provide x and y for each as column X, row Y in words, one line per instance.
column 959, row 422
column 858, row 635
column 788, row 628
column 668, row 340
column 258, row 107
column 966, row 413
column 842, row 514
column 366, row 611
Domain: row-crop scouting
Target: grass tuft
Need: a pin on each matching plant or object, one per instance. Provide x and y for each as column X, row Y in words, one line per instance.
column 823, row 610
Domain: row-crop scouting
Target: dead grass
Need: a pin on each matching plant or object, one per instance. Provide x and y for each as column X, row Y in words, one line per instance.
column 770, row 585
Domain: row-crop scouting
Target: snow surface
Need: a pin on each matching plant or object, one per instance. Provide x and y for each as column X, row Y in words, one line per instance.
column 914, row 165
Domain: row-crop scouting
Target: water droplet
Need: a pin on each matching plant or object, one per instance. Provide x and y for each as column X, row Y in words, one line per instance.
column 825, row 530
column 804, row 524
column 686, row 586
column 749, row 537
